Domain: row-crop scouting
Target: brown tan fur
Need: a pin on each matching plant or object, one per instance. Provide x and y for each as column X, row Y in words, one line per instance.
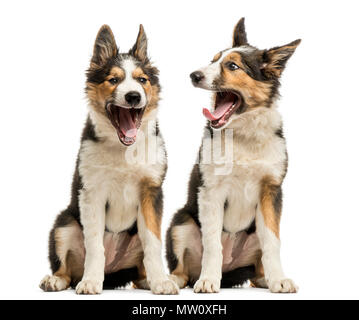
column 275, row 56
column 217, row 57
column 141, row 49
column 152, row 92
column 256, row 93
column 270, row 214
column 148, row 198
column 259, row 280
column 99, row 93
column 105, row 50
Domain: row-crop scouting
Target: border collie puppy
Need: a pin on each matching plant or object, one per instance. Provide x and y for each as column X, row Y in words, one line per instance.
column 228, row 232
column 110, row 234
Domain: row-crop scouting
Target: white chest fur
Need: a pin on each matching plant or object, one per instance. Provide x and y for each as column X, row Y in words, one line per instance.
column 105, row 167
column 254, row 155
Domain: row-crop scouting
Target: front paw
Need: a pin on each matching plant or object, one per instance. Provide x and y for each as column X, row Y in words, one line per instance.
column 207, row 286
column 164, row 287
column 89, row 287
column 283, row 286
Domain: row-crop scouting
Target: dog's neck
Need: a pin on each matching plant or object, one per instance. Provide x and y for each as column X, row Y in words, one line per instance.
column 257, row 125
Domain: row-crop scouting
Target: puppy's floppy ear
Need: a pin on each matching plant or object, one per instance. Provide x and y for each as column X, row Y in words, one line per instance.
column 105, row 47
column 275, row 59
column 139, row 50
column 239, row 34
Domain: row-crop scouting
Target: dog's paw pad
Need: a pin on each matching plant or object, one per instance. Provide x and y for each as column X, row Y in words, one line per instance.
column 89, row 287
column 283, row 286
column 165, row 287
column 207, row 286
column 53, row 283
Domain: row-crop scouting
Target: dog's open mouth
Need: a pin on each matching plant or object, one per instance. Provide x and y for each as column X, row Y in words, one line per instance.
column 226, row 104
column 126, row 122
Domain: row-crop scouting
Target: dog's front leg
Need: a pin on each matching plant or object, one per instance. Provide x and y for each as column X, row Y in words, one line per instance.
column 211, row 210
column 267, row 224
column 92, row 208
column 149, row 230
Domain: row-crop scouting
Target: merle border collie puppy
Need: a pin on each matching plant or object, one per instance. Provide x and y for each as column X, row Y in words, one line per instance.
column 228, row 231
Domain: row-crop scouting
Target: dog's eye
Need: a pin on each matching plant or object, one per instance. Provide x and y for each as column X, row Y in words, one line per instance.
column 142, row 80
column 113, row 81
column 232, row 66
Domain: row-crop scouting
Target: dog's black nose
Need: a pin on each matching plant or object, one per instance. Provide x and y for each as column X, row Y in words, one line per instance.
column 196, row 76
column 133, row 98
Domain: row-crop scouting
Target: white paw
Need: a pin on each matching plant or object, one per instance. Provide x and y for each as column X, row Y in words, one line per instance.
column 207, row 286
column 164, row 287
column 53, row 283
column 89, row 287
column 283, row 286
column 178, row 280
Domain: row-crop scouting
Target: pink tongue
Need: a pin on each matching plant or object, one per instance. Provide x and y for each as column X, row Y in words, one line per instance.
column 218, row 112
column 128, row 127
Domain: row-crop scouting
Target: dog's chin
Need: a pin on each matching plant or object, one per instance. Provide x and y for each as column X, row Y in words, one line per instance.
column 227, row 106
column 126, row 122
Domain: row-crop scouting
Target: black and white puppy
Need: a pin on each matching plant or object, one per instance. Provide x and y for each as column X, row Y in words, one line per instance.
column 110, row 234
column 228, row 232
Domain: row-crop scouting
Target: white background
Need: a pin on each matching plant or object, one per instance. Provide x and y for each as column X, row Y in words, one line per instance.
column 45, row 50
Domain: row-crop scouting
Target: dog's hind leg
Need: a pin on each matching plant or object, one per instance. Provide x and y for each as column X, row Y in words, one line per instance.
column 65, row 255
column 141, row 282
column 259, row 280
column 183, row 238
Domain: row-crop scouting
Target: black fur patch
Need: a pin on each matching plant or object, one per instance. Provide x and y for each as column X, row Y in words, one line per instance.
column 171, row 258
column 252, row 63
column 120, row 278
column 277, row 197
column 133, row 230
column 237, row 276
column 239, row 34
column 279, row 133
column 98, row 75
column 88, row 132
column 252, row 228
column 225, row 205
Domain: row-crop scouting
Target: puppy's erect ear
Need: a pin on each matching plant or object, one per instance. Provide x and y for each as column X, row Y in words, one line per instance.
column 275, row 59
column 105, row 47
column 239, row 34
column 139, row 50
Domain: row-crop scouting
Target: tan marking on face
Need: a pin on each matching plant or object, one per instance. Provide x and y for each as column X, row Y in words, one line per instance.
column 217, row 57
column 270, row 216
column 116, row 72
column 150, row 91
column 255, row 93
column 234, row 57
column 152, row 218
column 99, row 93
column 138, row 73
